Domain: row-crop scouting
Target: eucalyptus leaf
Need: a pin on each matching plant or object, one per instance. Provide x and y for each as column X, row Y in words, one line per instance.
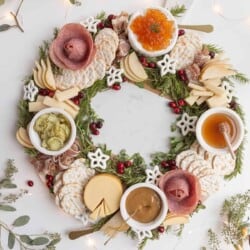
column 10, row 185
column 39, row 241
column 2, row 2
column 25, row 239
column 11, row 240
column 21, row 221
column 5, row 27
column 7, row 208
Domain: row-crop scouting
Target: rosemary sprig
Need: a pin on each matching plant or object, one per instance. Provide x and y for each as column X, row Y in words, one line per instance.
column 214, row 48
column 240, row 78
column 24, row 116
column 178, row 10
column 213, row 240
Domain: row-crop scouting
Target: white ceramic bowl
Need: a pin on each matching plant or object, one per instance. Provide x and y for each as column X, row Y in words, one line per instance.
column 134, row 223
column 35, row 139
column 239, row 127
column 137, row 45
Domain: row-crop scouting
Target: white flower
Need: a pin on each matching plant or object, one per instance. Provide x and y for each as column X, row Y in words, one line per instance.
column 114, row 75
column 91, row 24
column 167, row 65
column 187, row 123
column 98, row 159
column 30, row 91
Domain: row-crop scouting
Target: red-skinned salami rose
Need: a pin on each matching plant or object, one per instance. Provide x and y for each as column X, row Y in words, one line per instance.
column 73, row 47
column 182, row 190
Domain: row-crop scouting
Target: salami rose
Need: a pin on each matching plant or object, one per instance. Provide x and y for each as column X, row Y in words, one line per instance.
column 182, row 190
column 73, row 47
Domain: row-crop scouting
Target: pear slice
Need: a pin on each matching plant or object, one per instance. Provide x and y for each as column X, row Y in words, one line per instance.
column 136, row 67
column 37, row 80
column 49, row 75
column 23, row 138
column 39, row 74
column 127, row 73
column 176, row 220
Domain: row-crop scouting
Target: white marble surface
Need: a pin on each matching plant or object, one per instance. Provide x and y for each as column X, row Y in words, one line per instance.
column 135, row 119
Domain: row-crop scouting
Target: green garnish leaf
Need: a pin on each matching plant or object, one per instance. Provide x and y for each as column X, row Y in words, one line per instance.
column 178, row 10
column 21, row 221
column 39, row 241
column 11, row 240
column 7, row 208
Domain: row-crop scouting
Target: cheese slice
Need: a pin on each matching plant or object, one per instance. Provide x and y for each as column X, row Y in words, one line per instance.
column 72, row 105
column 66, row 94
column 191, row 99
column 51, row 102
column 201, row 93
column 96, row 213
column 106, row 208
column 201, row 100
column 217, row 101
column 101, row 187
column 216, row 90
column 102, row 211
column 40, row 98
column 196, row 87
column 36, row 106
column 215, row 82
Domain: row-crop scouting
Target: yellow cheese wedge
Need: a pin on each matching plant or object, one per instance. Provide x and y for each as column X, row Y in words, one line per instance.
column 136, row 67
column 196, row 87
column 191, row 99
column 128, row 73
column 201, row 93
column 96, row 213
column 106, row 208
column 102, row 211
column 36, row 106
column 101, row 187
column 37, row 79
column 51, row 102
column 217, row 101
column 66, row 94
column 50, row 79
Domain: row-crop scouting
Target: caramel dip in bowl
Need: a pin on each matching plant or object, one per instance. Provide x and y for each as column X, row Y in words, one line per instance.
column 143, row 206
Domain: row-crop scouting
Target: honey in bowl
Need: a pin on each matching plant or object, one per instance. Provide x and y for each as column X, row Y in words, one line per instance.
column 211, row 133
column 143, row 204
column 154, row 30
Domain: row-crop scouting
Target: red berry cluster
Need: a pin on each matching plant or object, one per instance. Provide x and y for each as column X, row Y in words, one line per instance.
column 120, row 166
column 77, row 99
column 146, row 63
column 116, row 86
column 46, row 92
column 177, row 106
column 49, row 180
column 182, row 75
column 181, row 32
column 95, row 126
column 170, row 164
column 107, row 23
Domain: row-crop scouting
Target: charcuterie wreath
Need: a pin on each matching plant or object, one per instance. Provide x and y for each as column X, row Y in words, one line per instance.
column 117, row 192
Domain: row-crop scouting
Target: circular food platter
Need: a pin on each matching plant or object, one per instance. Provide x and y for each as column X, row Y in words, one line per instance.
column 88, row 181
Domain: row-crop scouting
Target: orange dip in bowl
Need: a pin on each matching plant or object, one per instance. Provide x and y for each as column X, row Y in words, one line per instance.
column 153, row 30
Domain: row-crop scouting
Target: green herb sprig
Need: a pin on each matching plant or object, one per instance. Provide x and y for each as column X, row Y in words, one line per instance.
column 178, row 10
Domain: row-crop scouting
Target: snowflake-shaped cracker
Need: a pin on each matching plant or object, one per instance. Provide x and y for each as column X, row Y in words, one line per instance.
column 153, row 175
column 84, row 218
column 167, row 65
column 30, row 91
column 187, row 123
column 114, row 75
column 91, row 24
column 142, row 234
column 229, row 90
column 98, row 159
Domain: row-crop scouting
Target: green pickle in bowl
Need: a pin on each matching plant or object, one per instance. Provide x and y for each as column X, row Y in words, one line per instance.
column 53, row 129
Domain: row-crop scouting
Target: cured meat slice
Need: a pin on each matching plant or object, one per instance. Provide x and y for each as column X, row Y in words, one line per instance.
column 182, row 190
column 73, row 48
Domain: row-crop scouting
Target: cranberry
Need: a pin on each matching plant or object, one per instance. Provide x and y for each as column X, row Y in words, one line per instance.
column 49, row 184
column 80, row 95
column 184, row 78
column 116, row 86
column 125, row 79
column 181, row 102
column 95, row 132
column 211, row 54
column 111, row 17
column 172, row 162
column 152, row 65
column 177, row 110
column 172, row 104
column 30, row 183
column 233, row 105
column 109, row 25
column 120, row 165
column 128, row 164
column 143, row 59
column 120, row 170
column 100, row 25
column 99, row 124
column 161, row 229
column 181, row 32
column 51, row 93
column 49, row 177
column 164, row 164
column 181, row 72
column 44, row 92
column 76, row 101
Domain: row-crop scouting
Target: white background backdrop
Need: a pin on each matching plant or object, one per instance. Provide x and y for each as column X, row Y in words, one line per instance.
column 134, row 119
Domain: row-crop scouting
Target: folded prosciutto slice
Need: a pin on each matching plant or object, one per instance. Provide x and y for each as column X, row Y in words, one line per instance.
column 73, row 47
column 182, row 190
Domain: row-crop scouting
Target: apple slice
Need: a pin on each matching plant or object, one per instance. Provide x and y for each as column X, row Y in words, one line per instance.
column 49, row 75
column 37, row 80
column 136, row 67
column 173, row 219
column 128, row 73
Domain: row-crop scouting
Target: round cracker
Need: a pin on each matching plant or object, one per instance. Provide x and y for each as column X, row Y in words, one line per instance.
column 187, row 160
column 72, row 204
column 195, row 166
column 223, row 164
column 72, row 188
column 57, row 186
column 75, row 175
column 182, row 155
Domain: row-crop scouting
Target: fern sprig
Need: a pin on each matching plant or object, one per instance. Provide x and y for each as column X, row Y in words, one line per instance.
column 178, row 10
